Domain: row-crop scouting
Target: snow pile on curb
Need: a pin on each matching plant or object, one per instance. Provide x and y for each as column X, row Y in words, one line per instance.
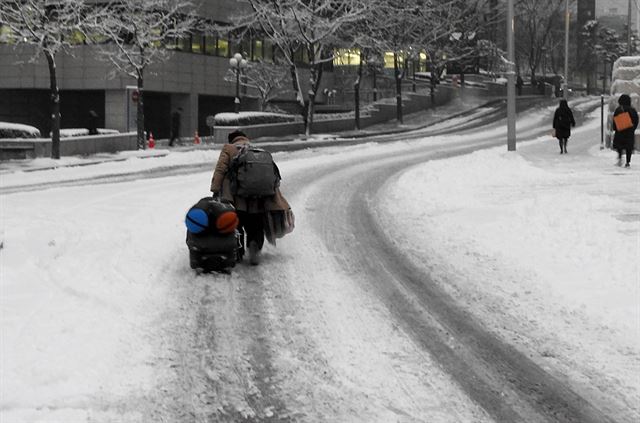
column 18, row 130
column 251, row 118
column 79, row 132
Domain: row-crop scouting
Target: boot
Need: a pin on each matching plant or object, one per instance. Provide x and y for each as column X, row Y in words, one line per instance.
column 254, row 253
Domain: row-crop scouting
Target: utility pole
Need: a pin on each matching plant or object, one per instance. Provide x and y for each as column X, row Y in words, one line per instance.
column 629, row 29
column 511, row 86
column 565, row 93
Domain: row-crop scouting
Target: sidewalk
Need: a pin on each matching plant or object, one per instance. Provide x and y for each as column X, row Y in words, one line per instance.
column 411, row 122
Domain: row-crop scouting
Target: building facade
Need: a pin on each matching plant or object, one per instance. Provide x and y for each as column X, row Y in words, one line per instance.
column 192, row 79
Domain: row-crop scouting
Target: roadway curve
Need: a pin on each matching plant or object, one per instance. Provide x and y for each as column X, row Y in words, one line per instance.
column 507, row 384
column 252, row 316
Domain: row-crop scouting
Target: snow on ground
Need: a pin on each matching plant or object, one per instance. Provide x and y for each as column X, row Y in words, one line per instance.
column 542, row 247
column 545, row 248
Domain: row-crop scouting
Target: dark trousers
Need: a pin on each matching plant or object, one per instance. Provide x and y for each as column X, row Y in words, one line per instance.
column 253, row 226
column 629, row 151
column 563, row 144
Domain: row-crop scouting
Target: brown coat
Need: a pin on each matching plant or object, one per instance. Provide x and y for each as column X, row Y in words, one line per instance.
column 220, row 183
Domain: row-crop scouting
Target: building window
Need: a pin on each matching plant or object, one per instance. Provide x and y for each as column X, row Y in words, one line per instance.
column 388, row 60
column 301, row 56
column 210, row 45
column 346, row 57
column 257, row 52
column 267, row 51
column 186, row 43
column 422, row 63
column 245, row 48
column 222, row 48
column 77, row 37
column 5, row 34
column 196, row 43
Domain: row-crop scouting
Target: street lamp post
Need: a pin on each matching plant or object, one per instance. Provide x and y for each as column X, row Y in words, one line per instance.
column 565, row 93
column 511, row 87
column 374, row 63
column 544, row 64
column 237, row 63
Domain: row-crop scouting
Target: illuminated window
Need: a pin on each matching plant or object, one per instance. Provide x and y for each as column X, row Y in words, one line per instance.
column 196, row 43
column 6, row 35
column 388, row 60
column 256, row 51
column 346, row 57
column 223, row 48
column 422, row 66
column 77, row 37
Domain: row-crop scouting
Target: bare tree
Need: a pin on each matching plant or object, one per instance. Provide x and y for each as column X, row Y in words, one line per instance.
column 407, row 27
column 463, row 39
column 310, row 25
column 142, row 32
column 266, row 78
column 538, row 24
column 48, row 26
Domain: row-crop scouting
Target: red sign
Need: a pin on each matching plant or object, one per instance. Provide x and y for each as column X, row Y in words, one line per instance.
column 135, row 95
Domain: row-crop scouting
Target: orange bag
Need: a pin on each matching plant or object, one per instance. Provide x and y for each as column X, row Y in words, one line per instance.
column 623, row 121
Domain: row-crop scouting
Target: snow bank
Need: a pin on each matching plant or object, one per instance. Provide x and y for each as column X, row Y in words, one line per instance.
column 18, row 130
column 251, row 118
column 78, row 132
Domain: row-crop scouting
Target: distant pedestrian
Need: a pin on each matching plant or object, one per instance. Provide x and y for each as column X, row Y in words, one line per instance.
column 562, row 122
column 625, row 122
column 175, row 126
column 519, row 84
column 92, row 122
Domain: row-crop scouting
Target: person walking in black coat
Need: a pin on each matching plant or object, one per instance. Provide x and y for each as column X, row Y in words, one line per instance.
column 562, row 122
column 175, row 126
column 624, row 138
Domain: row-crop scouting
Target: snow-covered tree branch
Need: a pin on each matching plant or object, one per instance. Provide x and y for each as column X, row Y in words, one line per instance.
column 267, row 79
column 310, row 25
column 140, row 34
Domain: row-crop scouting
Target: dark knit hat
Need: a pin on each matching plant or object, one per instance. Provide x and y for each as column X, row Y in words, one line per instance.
column 235, row 134
column 624, row 100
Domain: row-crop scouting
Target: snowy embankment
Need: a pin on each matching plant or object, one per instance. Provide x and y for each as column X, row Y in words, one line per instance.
column 545, row 249
column 18, row 130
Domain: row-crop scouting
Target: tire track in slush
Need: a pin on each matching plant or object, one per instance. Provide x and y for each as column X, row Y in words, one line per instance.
column 510, row 386
column 253, row 369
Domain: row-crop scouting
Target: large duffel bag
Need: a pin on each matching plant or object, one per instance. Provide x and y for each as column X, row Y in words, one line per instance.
column 212, row 235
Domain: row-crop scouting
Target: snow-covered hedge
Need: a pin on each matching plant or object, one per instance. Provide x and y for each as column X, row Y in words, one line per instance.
column 79, row 132
column 251, row 118
column 18, row 130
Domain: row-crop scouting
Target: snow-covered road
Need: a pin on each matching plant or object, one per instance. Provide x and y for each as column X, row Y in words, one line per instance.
column 355, row 317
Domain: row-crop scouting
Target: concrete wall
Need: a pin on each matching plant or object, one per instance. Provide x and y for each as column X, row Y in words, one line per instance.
column 20, row 148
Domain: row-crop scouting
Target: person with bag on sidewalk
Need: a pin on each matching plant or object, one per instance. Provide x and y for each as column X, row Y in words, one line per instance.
column 248, row 178
column 562, row 122
column 625, row 122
